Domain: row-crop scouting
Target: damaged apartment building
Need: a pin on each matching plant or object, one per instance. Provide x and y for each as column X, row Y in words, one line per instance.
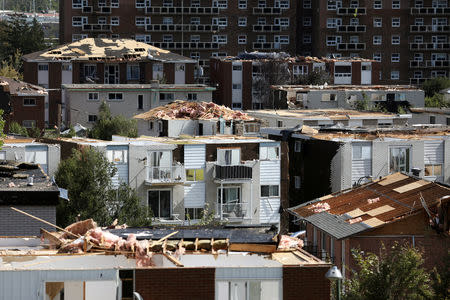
column 83, row 100
column 386, row 97
column 236, row 179
column 196, row 119
column 102, row 61
column 333, row 159
column 243, row 81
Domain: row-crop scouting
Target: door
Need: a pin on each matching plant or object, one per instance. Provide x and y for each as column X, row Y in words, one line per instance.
column 366, row 73
column 159, row 202
column 112, row 74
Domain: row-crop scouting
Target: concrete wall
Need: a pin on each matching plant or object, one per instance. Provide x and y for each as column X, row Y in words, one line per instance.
column 424, row 118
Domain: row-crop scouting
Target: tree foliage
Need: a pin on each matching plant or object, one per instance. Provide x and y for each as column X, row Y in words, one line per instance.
column 106, row 125
column 441, row 280
column 27, row 5
column 434, row 85
column 87, row 176
column 16, row 128
column 395, row 274
column 437, row 100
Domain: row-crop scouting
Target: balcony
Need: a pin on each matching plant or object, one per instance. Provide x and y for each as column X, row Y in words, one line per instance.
column 351, row 28
column 164, row 175
column 182, row 10
column 429, row 46
column 238, row 172
column 185, row 45
column 430, row 11
column 429, row 28
column 266, row 28
column 351, row 46
column 266, row 46
column 232, row 210
column 180, row 27
column 438, row 64
column 350, row 11
column 266, row 11
column 97, row 27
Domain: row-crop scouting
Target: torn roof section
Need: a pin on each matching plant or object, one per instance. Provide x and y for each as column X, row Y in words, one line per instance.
column 336, row 87
column 93, row 49
column 19, row 88
column 186, row 110
column 283, row 56
column 371, row 205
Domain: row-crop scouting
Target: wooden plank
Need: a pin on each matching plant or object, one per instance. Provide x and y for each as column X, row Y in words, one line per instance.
column 380, row 210
column 411, row 186
column 373, row 222
column 259, row 248
column 53, row 239
column 355, row 213
column 174, row 260
column 392, row 178
column 167, row 236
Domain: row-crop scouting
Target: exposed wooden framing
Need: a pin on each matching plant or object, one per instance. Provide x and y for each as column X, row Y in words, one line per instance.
column 52, row 238
column 167, row 236
column 259, row 248
column 174, row 260
column 196, row 244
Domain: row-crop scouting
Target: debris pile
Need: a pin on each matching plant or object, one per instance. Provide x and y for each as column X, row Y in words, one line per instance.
column 193, row 110
column 289, row 243
column 320, row 207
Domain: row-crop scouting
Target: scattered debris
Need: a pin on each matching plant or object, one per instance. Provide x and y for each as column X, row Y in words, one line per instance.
column 319, row 207
column 288, row 243
column 374, row 200
column 355, row 220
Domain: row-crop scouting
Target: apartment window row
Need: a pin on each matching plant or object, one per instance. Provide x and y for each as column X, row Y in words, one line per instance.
column 79, row 21
column 78, row 4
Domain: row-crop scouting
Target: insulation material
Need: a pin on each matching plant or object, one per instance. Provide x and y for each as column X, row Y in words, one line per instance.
column 319, row 207
column 380, row 210
column 80, row 228
column 355, row 220
column 374, row 200
column 186, row 110
column 288, row 243
column 52, row 289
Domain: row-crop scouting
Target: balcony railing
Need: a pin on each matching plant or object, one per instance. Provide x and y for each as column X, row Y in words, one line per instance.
column 180, row 27
column 182, row 10
column 430, row 28
column 430, row 11
column 351, row 28
column 172, row 174
column 233, row 172
column 429, row 46
column 266, row 10
column 232, row 210
column 266, row 28
column 97, row 27
column 351, row 46
column 185, row 45
column 351, row 11
column 417, row 81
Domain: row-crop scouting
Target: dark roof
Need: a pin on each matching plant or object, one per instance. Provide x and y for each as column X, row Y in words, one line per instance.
column 15, row 87
column 371, row 205
column 258, row 235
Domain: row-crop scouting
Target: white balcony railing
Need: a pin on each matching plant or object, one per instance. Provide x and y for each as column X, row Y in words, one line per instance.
column 232, row 210
column 172, row 174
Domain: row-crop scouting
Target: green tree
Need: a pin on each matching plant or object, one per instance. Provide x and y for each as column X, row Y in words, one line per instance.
column 106, row 125
column 434, row 85
column 437, row 100
column 16, row 128
column 395, row 274
column 441, row 280
column 87, row 176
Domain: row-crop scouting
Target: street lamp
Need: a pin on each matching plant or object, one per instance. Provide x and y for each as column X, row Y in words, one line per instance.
column 334, row 274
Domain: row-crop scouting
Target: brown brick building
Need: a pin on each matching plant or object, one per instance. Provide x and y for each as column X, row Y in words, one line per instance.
column 23, row 103
column 198, row 29
column 409, row 37
column 102, row 61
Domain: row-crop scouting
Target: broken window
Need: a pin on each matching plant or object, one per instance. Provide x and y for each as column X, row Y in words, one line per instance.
column 269, row 153
column 433, row 170
column 328, row 97
column 399, row 159
column 270, row 191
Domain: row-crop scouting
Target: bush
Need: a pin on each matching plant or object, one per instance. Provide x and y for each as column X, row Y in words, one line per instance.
column 433, row 86
column 437, row 100
column 16, row 128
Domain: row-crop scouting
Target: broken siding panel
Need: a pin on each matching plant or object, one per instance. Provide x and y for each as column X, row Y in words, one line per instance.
column 194, row 156
column 38, row 155
column 194, row 195
column 269, row 211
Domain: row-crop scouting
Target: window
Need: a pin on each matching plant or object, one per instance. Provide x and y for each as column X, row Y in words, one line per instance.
column 166, row 97
column 418, row 74
column 395, row 40
column 354, row 21
column 194, row 213
column 29, row 102
column 283, row 22
column 140, row 102
column 333, row 40
column 261, row 3
column 159, row 202
column 299, row 70
column 195, row 3
column 418, row 39
column 282, row 4
column 195, row 20
column 192, row 96
column 280, row 124
column 395, row 57
column 229, row 202
column 377, row 22
column 448, row 121
column 115, row 3
column 90, row 71
column 140, row 21
column 115, row 21
column 297, row 182
column 269, row 152
column 377, row 56
column 195, row 55
column 432, row 120
column 242, row 39
column 252, row 127
column 282, row 39
column 237, row 86
column 236, row 105
column 242, row 4
column 141, row 3
column 354, row 4
column 377, row 39
column 261, row 21
column 101, row 20
column 399, row 159
column 133, row 72
column 395, row 75
column 418, row 21
column 115, row 96
column 270, row 191
column 377, row 4
column 418, row 3
column 261, row 38
column 237, row 68
column 77, row 37
column 222, row 22
column 144, row 38
column 167, row 38
column 167, row 3
column 307, row 22
column 77, row 4
column 334, row 22
column 220, row 3
column 298, row 146
column 242, row 21
column 167, row 20
column 354, row 39
column 395, row 22
column 92, row 118
column 307, row 38
column 220, row 39
column 195, row 175
column 93, row 96
column 228, row 156
column 29, row 123
column 195, row 38
column 306, row 3
column 334, row 4
column 328, row 97
column 79, row 21
column 433, row 169
column 395, row 4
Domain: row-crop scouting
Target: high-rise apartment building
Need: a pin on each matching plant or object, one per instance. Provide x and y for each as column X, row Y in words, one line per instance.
column 410, row 37
column 198, row 29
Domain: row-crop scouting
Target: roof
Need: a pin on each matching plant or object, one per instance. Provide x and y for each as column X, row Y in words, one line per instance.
column 431, row 110
column 334, row 87
column 92, row 49
column 250, row 56
column 186, row 110
column 371, row 205
column 213, row 139
column 140, row 87
column 20, row 88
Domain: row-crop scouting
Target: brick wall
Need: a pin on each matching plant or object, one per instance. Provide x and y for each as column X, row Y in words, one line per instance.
column 305, row 283
column 181, row 283
column 13, row 223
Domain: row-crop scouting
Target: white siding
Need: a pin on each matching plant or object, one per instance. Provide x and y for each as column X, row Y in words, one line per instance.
column 122, row 166
column 434, row 152
column 270, row 210
column 362, row 162
column 194, row 156
column 37, row 155
column 269, row 172
column 194, row 195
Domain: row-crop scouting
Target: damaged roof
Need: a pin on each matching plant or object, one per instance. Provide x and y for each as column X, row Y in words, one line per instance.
column 92, row 49
column 366, row 88
column 20, row 88
column 371, row 205
column 213, row 139
column 283, row 56
column 186, row 110
column 140, row 87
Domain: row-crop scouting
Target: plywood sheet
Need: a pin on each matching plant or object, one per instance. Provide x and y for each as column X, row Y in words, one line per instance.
column 411, row 186
column 356, row 213
column 392, row 178
column 326, row 197
column 374, row 222
column 379, row 210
